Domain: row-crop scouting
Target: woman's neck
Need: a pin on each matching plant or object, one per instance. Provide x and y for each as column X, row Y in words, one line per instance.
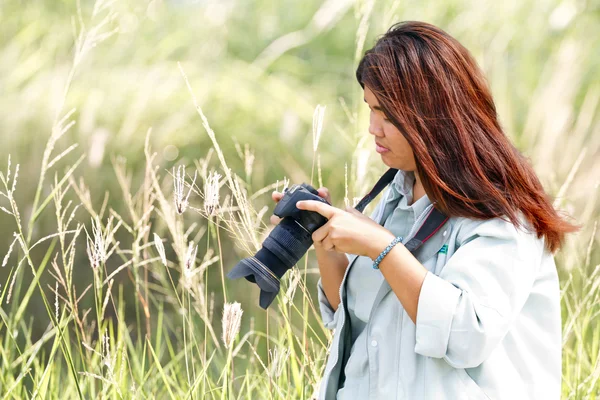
column 418, row 190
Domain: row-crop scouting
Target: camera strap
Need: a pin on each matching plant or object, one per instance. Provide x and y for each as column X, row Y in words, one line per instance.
column 433, row 222
column 379, row 186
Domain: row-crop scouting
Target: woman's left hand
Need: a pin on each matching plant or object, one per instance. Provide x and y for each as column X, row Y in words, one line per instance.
column 348, row 231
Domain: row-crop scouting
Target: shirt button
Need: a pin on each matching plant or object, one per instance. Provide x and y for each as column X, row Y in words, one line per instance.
column 374, row 343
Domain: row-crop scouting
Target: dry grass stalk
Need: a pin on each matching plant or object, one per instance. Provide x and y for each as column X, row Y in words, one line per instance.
column 10, row 249
column 247, row 156
column 232, row 318
column 181, row 200
column 317, row 127
column 160, row 248
column 211, row 193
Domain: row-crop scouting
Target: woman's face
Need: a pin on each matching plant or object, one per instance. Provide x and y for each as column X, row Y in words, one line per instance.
column 389, row 142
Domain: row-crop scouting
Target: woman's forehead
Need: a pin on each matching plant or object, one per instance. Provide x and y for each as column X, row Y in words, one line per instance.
column 369, row 96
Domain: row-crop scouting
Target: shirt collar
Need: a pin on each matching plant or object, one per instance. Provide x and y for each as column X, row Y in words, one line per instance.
column 403, row 182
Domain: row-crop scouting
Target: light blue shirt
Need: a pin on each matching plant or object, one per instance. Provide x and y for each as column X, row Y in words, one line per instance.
column 361, row 287
column 488, row 319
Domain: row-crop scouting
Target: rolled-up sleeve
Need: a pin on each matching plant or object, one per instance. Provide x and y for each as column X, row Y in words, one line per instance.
column 467, row 310
column 328, row 315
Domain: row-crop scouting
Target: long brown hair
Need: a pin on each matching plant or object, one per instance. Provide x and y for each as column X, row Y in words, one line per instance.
column 432, row 90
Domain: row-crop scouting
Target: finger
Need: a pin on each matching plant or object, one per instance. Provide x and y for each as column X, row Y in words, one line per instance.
column 313, row 205
column 320, row 234
column 275, row 220
column 319, row 238
column 324, row 193
column 328, row 244
column 318, row 245
column 276, row 196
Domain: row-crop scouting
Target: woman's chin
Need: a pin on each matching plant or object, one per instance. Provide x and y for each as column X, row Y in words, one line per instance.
column 388, row 161
column 391, row 164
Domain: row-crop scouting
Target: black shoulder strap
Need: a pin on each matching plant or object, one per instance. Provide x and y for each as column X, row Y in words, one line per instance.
column 433, row 222
column 379, row 186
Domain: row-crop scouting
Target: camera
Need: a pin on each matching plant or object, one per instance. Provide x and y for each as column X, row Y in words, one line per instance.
column 285, row 245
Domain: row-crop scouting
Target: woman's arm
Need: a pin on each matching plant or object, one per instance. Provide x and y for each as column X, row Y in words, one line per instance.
column 403, row 271
column 332, row 266
column 462, row 314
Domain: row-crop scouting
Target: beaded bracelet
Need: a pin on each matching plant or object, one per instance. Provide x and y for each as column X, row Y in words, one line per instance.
column 396, row 240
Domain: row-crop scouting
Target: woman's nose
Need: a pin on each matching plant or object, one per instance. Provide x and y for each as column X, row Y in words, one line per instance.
column 375, row 127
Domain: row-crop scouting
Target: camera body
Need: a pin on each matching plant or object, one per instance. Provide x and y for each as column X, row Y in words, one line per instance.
column 309, row 220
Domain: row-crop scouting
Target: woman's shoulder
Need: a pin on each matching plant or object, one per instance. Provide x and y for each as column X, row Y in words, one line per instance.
column 497, row 230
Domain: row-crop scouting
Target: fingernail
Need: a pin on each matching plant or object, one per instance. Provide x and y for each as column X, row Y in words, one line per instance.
column 299, row 204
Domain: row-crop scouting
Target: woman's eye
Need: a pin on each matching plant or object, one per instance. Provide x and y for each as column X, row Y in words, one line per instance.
column 373, row 112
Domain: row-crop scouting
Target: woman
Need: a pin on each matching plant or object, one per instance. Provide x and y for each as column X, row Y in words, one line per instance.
column 475, row 312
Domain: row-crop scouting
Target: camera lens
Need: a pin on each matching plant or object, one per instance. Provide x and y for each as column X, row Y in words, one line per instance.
column 281, row 250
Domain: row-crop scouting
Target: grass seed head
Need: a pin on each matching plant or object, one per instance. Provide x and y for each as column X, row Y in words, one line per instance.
column 160, row 248
column 211, row 193
column 232, row 318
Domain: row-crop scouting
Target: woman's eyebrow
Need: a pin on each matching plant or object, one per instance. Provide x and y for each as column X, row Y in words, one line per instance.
column 374, row 107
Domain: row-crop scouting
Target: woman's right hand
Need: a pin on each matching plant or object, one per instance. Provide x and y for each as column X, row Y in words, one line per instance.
column 323, row 192
column 332, row 265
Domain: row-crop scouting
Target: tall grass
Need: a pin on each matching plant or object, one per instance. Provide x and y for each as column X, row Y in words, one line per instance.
column 131, row 276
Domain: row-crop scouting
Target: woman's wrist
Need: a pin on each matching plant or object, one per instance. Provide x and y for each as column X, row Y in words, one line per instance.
column 380, row 243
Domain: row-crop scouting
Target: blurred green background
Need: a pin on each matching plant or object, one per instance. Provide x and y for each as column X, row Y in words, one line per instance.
column 258, row 69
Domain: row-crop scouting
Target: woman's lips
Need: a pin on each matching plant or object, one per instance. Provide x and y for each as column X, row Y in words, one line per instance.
column 381, row 149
